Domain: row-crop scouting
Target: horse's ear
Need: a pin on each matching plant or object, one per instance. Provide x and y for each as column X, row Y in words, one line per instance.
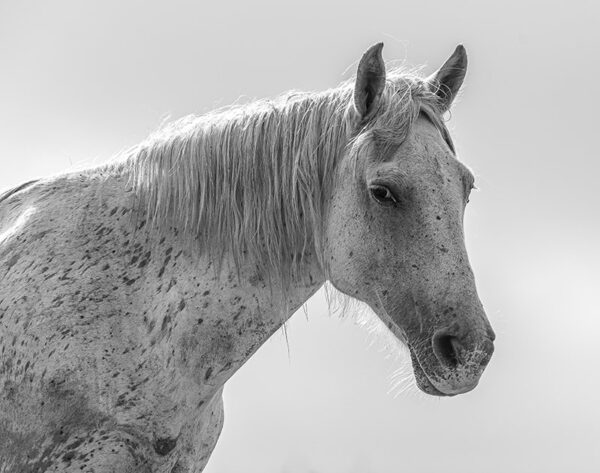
column 370, row 82
column 447, row 80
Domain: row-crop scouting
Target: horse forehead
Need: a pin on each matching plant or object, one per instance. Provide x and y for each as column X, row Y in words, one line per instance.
column 429, row 157
column 432, row 150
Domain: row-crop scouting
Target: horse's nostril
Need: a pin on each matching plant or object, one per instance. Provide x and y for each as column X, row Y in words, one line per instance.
column 447, row 349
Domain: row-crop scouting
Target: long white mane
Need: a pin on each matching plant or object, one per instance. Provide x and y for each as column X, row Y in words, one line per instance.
column 253, row 179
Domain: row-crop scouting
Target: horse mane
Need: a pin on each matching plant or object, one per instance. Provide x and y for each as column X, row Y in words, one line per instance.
column 252, row 180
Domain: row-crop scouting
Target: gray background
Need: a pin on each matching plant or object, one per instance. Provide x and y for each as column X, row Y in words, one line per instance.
column 80, row 80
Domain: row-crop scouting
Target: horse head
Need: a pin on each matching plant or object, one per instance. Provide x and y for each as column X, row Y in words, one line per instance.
column 394, row 228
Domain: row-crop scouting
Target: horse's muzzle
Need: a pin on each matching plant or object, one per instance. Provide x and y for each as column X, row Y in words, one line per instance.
column 457, row 362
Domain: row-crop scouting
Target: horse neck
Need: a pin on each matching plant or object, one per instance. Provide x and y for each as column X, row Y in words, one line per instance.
column 215, row 316
column 208, row 310
column 248, row 239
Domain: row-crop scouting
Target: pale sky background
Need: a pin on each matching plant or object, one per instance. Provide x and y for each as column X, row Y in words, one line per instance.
column 80, row 81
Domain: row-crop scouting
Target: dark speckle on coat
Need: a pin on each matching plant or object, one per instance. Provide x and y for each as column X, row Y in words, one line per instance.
column 163, row 446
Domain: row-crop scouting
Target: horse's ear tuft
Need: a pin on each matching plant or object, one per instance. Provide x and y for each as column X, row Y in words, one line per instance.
column 370, row 82
column 446, row 82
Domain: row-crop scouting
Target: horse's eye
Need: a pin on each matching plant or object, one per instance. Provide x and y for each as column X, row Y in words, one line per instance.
column 383, row 195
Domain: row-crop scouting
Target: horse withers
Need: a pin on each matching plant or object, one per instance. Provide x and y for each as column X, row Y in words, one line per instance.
column 131, row 292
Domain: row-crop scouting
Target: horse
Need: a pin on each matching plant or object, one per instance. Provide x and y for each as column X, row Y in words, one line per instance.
column 132, row 291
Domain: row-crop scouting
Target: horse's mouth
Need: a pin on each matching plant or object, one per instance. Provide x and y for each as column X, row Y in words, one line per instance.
column 423, row 381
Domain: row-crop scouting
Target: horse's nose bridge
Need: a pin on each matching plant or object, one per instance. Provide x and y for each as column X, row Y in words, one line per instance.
column 466, row 320
column 475, row 326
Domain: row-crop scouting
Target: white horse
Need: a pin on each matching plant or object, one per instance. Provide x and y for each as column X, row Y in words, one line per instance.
column 131, row 292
